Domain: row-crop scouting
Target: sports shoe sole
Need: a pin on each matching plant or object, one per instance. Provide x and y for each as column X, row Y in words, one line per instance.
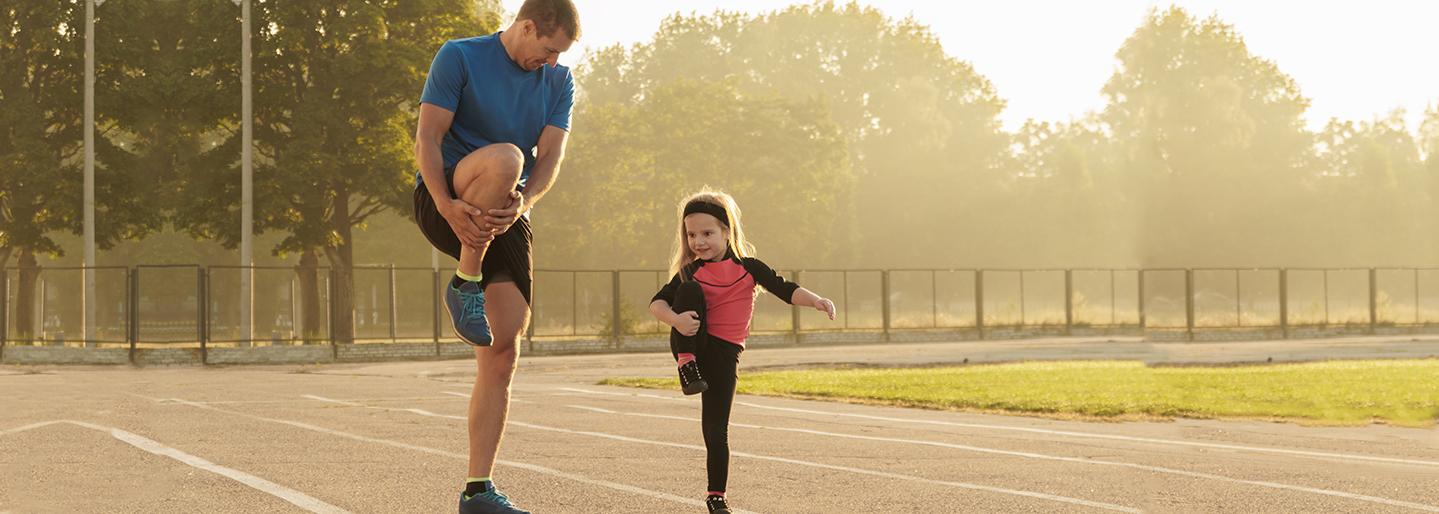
column 696, row 387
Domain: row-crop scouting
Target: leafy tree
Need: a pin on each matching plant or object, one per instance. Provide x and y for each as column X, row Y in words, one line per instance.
column 1211, row 136
column 631, row 163
column 920, row 126
column 41, row 136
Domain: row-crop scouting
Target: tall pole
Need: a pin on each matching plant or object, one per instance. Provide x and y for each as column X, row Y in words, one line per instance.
column 247, row 293
column 88, row 299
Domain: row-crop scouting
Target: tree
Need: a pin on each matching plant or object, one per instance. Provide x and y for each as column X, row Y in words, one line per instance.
column 163, row 100
column 41, row 136
column 1375, row 189
column 632, row 161
column 1429, row 147
column 1212, row 135
column 920, row 126
column 1067, row 193
column 336, row 91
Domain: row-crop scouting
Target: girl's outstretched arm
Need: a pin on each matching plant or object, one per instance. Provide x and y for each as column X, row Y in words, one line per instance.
column 804, row 296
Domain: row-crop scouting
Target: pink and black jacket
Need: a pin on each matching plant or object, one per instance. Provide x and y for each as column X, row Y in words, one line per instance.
column 728, row 286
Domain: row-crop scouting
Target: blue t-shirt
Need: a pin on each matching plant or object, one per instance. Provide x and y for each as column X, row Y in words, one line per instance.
column 494, row 100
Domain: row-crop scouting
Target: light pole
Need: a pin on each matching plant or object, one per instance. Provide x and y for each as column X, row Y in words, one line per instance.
column 247, row 199
column 88, row 300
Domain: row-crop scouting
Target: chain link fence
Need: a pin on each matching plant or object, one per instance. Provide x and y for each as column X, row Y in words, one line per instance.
column 187, row 305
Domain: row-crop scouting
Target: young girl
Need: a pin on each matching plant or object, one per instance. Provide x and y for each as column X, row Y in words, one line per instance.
column 709, row 302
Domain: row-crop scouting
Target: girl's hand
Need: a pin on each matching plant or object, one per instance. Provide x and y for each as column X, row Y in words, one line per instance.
column 687, row 323
column 825, row 306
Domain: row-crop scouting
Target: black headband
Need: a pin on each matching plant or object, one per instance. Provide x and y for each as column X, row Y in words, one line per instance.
column 701, row 206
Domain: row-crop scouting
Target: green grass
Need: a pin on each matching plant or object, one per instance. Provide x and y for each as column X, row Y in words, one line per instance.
column 1398, row 392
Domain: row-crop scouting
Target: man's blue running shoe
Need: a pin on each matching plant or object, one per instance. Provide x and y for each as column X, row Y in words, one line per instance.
column 466, row 305
column 488, row 502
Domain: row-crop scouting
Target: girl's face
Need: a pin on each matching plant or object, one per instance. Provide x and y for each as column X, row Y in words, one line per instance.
column 706, row 236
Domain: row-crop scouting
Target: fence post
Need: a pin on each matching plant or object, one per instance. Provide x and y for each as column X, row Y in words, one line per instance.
column 1373, row 299
column 1326, row 299
column 1069, row 302
column 1021, row 300
column 530, row 324
column 1417, row 320
column 134, row 287
column 393, row 308
column 1238, row 303
column 5, row 310
column 39, row 335
column 1113, row 302
column 530, row 332
column 1284, row 302
column 933, row 300
column 1139, row 291
column 209, row 283
column 330, row 292
column 435, row 308
column 979, row 302
column 201, row 316
column 1189, row 303
column 296, row 332
column 794, row 311
column 884, row 305
column 617, row 327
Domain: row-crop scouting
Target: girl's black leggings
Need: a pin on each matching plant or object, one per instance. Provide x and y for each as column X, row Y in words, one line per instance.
column 718, row 361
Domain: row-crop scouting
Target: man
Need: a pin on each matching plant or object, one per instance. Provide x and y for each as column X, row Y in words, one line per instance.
column 494, row 119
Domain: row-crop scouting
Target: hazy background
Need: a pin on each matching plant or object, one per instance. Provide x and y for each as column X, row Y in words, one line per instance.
column 854, row 135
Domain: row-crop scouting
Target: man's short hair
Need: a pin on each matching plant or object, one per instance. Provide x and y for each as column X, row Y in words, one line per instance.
column 550, row 15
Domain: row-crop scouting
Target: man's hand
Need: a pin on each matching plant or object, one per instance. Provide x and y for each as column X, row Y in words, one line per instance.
column 462, row 217
column 502, row 219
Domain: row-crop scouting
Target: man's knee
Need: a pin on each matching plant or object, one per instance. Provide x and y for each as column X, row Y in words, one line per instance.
column 498, row 165
column 498, row 361
column 500, row 159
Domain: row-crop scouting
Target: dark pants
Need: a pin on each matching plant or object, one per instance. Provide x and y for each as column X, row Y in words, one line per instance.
column 719, row 362
column 508, row 258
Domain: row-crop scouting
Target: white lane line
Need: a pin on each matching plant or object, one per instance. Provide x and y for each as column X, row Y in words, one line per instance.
column 1040, row 456
column 331, row 400
column 896, row 476
column 297, row 498
column 464, row 395
column 262, row 402
column 1175, row 442
column 31, row 426
column 460, row 456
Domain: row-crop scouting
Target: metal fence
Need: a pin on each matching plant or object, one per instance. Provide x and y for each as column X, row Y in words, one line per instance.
column 195, row 305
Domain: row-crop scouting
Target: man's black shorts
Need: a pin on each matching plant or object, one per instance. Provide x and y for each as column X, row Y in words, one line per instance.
column 507, row 260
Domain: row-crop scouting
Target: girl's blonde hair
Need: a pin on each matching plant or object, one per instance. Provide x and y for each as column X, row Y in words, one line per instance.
column 734, row 232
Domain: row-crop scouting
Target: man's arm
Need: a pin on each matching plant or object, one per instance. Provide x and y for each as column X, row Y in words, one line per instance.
column 549, row 153
column 434, row 123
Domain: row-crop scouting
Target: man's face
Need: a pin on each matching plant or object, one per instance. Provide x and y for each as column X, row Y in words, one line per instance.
column 537, row 50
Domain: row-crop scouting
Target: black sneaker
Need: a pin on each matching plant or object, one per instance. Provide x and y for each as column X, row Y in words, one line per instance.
column 690, row 380
column 717, row 505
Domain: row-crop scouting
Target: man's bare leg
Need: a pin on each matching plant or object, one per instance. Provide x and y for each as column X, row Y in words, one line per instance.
column 495, row 369
column 484, row 179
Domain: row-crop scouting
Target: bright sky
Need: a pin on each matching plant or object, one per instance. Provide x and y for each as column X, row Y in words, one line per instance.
column 1049, row 58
